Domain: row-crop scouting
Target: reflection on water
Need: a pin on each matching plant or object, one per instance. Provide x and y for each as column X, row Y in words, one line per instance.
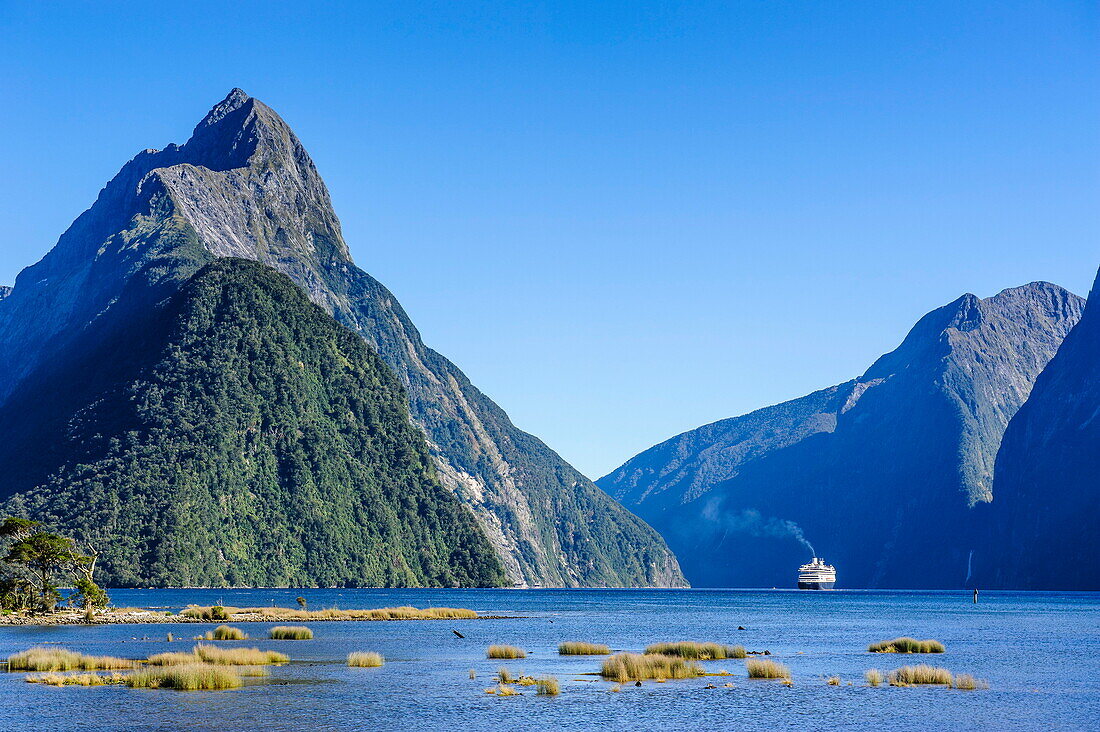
column 1039, row 651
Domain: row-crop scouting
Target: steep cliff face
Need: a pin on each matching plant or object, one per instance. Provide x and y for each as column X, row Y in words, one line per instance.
column 1042, row 522
column 243, row 186
column 238, row 435
column 880, row 473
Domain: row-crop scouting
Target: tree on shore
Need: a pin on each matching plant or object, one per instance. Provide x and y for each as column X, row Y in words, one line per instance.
column 35, row 559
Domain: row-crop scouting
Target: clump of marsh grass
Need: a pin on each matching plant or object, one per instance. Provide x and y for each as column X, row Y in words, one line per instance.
column 919, row 675
column 548, row 686
column 906, row 645
column 833, row 681
column 506, row 652
column 218, row 612
column 505, row 690
column 225, row 632
column 365, row 659
column 291, row 632
column 172, row 658
column 697, row 651
column 505, row 676
column 238, row 656
column 473, row 674
column 579, row 648
column 874, row 677
column 616, row 688
column 967, row 682
column 40, row 658
column 185, row 678
column 636, row 667
column 56, row 679
column 760, row 668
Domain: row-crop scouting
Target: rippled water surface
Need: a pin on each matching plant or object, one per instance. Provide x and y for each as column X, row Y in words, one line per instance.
column 1040, row 653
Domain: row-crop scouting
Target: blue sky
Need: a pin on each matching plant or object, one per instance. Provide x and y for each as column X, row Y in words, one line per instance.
column 622, row 220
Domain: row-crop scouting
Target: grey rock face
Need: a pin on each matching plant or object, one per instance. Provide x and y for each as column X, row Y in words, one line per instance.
column 881, row 473
column 1042, row 522
column 244, row 186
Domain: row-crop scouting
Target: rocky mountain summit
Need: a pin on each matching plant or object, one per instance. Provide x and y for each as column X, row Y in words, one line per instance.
column 1042, row 521
column 243, row 186
column 880, row 473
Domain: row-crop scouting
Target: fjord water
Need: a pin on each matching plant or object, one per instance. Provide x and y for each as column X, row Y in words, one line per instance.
column 1040, row 653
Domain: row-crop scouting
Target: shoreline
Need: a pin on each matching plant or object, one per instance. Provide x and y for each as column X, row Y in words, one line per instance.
column 149, row 617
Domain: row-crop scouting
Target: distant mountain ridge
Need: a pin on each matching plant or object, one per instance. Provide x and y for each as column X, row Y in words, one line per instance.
column 244, row 186
column 881, row 473
column 1042, row 521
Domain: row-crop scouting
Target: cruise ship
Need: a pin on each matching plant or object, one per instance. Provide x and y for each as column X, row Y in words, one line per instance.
column 816, row 575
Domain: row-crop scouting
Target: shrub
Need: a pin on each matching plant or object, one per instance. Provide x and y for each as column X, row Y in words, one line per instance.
column 579, row 648
column 920, row 675
column 238, row 656
column 697, row 651
column 635, row 667
column 41, row 658
column 218, row 613
column 548, row 686
column 969, row 683
column 365, row 659
column 225, row 632
column 291, row 632
column 506, row 652
column 761, row 668
column 185, row 678
column 874, row 677
column 906, row 645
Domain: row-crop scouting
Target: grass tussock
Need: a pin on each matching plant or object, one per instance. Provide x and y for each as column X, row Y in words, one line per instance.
column 172, row 658
column 365, row 659
column 967, row 682
column 195, row 677
column 624, row 667
column 505, row 690
column 41, row 658
column 580, row 648
column 547, row 686
column 56, row 679
column 504, row 676
column 225, row 633
column 291, row 632
column 906, row 645
column 238, row 656
column 473, row 674
column 874, row 677
column 506, row 652
column 762, row 668
column 833, row 681
column 240, row 614
column 920, row 675
column 697, row 651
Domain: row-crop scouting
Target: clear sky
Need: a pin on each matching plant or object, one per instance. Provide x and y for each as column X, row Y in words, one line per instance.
column 622, row 220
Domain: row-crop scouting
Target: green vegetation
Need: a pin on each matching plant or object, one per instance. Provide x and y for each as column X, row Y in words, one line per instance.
column 548, row 686
column 238, row 656
column 41, row 658
column 185, row 678
column 505, row 652
column 239, row 614
column 636, row 667
column 225, row 632
column 35, row 560
column 244, row 437
column 56, row 679
column 967, row 682
column 365, row 659
column 906, row 645
column 291, row 632
column 697, row 651
column 874, row 677
column 579, row 648
column 762, row 668
column 921, row 674
column 172, row 659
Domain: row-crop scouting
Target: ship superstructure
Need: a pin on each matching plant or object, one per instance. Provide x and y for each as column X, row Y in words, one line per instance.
column 816, row 575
